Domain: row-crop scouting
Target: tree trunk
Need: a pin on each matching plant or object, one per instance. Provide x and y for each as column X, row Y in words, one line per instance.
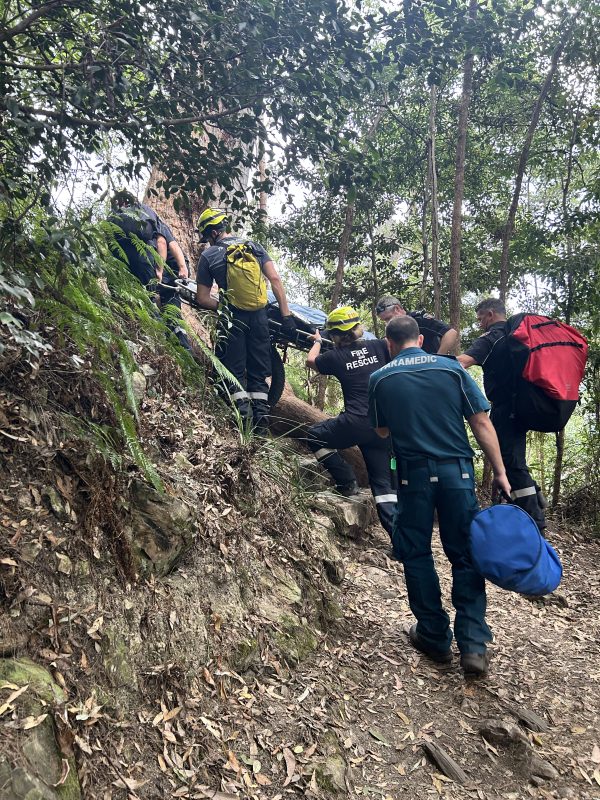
column 321, row 392
column 541, row 456
column 342, row 255
column 459, row 182
column 435, row 215
column 558, row 462
column 262, row 196
column 181, row 222
column 509, row 226
column 424, row 235
column 560, row 437
column 374, row 276
column 349, row 221
column 487, row 478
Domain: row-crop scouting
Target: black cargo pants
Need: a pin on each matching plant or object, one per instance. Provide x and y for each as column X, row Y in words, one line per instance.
column 513, row 444
column 244, row 347
column 348, row 430
column 170, row 304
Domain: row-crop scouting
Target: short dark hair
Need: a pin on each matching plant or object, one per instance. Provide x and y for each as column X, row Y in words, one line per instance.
column 491, row 304
column 402, row 330
column 346, row 338
column 205, row 235
column 385, row 302
column 123, row 198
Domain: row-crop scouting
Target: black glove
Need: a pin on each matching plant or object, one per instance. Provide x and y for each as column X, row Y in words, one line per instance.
column 288, row 326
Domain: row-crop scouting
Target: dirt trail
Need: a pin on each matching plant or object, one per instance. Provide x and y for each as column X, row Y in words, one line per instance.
column 367, row 700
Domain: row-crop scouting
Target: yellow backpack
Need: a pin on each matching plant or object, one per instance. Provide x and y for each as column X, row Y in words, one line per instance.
column 246, row 284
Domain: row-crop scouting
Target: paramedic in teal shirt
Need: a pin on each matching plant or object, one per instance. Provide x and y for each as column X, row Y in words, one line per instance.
column 422, row 400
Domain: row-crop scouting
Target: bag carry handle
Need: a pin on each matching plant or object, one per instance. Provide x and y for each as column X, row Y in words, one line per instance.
column 501, row 496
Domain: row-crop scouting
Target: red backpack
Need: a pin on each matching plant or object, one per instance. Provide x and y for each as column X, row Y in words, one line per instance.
column 549, row 358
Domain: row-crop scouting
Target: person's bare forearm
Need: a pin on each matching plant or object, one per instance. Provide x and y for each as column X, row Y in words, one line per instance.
column 485, row 433
column 161, row 249
column 466, row 361
column 179, row 257
column 205, row 299
column 314, row 351
column 279, row 292
column 448, row 342
column 161, row 246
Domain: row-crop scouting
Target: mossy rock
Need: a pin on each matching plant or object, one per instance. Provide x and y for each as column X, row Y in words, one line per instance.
column 282, row 586
column 325, row 608
column 21, row 671
column 331, row 775
column 38, row 763
column 295, row 642
column 245, row 656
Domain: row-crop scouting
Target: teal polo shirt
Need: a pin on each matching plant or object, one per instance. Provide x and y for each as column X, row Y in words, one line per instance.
column 424, row 399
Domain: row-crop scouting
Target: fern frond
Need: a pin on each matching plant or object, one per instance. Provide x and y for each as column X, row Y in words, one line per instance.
column 224, row 374
column 127, row 370
column 128, row 429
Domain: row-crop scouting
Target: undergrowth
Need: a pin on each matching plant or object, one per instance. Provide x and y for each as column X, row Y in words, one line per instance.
column 69, row 290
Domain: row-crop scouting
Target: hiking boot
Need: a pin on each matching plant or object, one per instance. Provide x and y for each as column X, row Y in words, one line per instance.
column 349, row 489
column 475, row 665
column 439, row 656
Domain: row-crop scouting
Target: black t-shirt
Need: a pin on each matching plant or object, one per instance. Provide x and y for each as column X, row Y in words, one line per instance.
column 172, row 272
column 139, row 221
column 352, row 366
column 491, row 352
column 431, row 329
column 161, row 227
column 213, row 265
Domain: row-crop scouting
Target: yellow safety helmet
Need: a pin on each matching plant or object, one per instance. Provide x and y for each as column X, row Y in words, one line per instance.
column 209, row 218
column 343, row 318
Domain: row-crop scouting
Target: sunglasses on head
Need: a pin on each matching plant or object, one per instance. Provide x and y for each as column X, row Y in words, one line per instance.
column 379, row 309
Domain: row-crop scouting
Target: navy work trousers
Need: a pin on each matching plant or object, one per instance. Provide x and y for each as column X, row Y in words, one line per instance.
column 448, row 487
column 244, row 347
column 348, row 430
column 513, row 444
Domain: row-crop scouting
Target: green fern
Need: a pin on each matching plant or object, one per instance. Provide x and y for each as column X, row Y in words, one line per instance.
column 128, row 367
column 128, row 429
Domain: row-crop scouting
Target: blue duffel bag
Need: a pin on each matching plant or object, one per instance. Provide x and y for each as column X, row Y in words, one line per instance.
column 509, row 551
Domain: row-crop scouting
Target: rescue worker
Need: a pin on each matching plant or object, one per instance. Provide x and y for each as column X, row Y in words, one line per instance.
column 157, row 265
column 351, row 361
column 490, row 351
column 243, row 344
column 133, row 219
column 422, row 399
column 437, row 336
column 176, row 268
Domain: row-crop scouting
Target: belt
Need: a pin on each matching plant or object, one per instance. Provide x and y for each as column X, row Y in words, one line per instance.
column 407, row 466
column 424, row 462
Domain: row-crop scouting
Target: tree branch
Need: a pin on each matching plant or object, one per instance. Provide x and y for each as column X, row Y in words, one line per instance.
column 10, row 33
column 120, row 123
column 61, row 67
